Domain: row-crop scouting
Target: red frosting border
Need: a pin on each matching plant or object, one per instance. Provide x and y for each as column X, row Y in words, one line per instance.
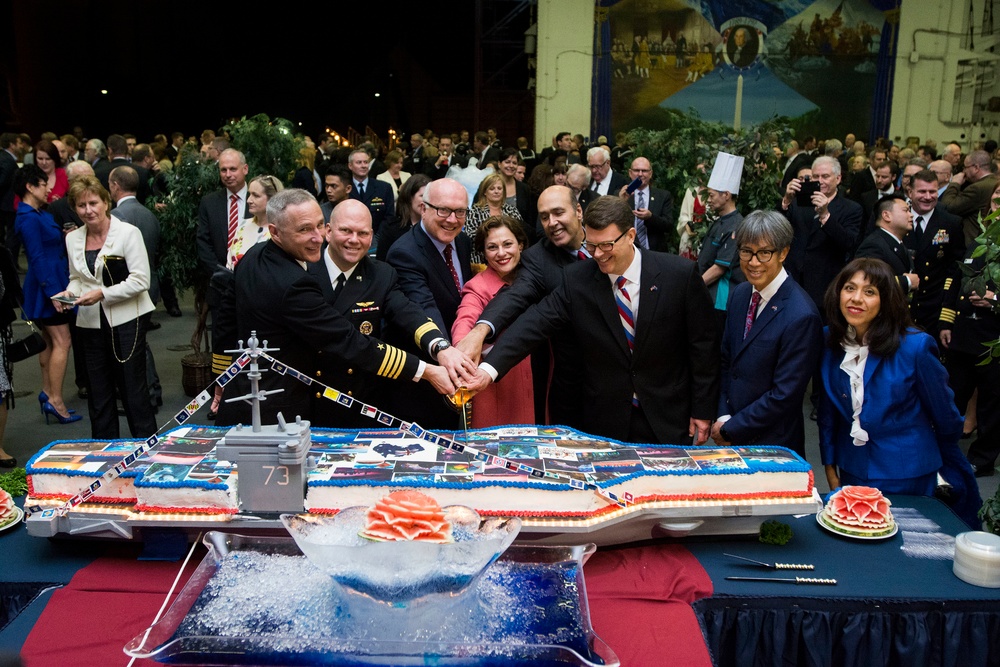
column 185, row 510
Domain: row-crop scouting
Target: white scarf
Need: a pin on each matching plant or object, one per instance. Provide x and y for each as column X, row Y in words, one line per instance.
column 855, row 357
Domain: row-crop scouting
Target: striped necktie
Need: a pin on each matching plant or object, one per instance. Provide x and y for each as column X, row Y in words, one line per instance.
column 624, row 302
column 234, row 219
column 640, row 225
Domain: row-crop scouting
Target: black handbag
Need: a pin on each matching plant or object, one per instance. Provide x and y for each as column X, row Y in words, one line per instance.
column 26, row 347
column 115, row 270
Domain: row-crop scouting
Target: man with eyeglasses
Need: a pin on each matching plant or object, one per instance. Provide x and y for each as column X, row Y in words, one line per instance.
column 604, row 181
column 653, row 208
column 433, row 263
column 648, row 366
column 970, row 192
column 366, row 293
column 771, row 343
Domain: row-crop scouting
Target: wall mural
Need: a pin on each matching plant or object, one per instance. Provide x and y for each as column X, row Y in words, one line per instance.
column 812, row 62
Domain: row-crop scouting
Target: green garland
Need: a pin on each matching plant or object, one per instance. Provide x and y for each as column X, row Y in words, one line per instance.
column 14, row 482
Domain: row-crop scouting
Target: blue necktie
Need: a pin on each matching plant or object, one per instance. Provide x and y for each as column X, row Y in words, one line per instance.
column 640, row 225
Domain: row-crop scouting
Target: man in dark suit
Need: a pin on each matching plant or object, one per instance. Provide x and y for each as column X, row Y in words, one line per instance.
column 797, row 158
column 653, row 208
column 445, row 160
column 937, row 245
column 648, row 362
column 284, row 304
column 221, row 212
column 540, row 274
column 826, row 230
column 603, row 180
column 174, row 148
column 771, row 344
column 366, row 292
column 484, row 152
column 376, row 195
column 885, row 179
column 432, row 260
column 970, row 192
column 895, row 221
column 864, row 180
column 8, row 167
column 414, row 162
column 578, row 180
column 124, row 182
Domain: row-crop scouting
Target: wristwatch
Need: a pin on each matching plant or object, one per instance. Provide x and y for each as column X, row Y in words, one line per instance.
column 439, row 347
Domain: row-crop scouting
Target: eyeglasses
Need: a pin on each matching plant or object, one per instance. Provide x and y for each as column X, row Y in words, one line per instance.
column 763, row 256
column 444, row 213
column 607, row 246
column 597, row 166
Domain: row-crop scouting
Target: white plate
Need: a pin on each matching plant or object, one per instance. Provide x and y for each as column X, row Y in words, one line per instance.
column 18, row 515
column 819, row 520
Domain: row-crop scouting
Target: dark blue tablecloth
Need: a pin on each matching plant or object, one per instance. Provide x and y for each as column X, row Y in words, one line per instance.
column 887, row 607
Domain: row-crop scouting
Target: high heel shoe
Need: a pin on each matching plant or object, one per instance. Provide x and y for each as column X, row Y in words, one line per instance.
column 10, row 462
column 49, row 409
column 43, row 398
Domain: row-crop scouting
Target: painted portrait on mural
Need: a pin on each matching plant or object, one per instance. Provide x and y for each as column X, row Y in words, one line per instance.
column 812, row 62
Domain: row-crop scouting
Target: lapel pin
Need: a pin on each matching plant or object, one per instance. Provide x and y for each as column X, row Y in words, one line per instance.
column 774, row 308
column 654, row 288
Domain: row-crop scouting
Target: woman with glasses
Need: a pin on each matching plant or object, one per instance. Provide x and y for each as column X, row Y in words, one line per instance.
column 887, row 418
column 500, row 240
column 490, row 203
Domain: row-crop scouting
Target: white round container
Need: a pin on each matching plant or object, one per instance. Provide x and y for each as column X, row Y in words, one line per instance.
column 977, row 558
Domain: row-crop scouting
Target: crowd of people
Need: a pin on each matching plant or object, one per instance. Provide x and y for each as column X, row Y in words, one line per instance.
column 550, row 285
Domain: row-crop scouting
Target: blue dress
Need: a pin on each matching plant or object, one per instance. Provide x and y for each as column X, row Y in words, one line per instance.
column 48, row 268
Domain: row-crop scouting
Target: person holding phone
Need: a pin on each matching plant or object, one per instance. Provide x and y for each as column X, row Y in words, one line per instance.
column 826, row 228
column 653, row 208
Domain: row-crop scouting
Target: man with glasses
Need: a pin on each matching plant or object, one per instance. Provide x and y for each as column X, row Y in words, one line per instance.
column 653, row 208
column 433, row 263
column 647, row 363
column 970, row 192
column 771, row 343
column 604, row 181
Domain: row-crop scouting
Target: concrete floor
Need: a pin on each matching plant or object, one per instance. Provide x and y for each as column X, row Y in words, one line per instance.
column 27, row 433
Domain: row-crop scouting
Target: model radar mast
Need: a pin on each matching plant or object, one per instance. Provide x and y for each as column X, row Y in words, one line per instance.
column 271, row 460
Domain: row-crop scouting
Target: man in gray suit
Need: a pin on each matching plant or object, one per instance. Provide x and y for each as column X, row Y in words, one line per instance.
column 123, row 182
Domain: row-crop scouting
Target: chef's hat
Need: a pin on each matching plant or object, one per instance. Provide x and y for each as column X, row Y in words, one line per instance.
column 726, row 173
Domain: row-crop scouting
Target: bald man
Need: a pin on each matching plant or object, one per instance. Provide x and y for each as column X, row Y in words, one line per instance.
column 366, row 293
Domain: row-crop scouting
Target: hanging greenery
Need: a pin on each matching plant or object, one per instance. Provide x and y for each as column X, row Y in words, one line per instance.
column 689, row 141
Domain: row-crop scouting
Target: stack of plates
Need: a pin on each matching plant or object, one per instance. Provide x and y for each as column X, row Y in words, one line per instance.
column 977, row 558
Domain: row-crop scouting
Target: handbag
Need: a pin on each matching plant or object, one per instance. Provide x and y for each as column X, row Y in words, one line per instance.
column 115, row 270
column 26, row 347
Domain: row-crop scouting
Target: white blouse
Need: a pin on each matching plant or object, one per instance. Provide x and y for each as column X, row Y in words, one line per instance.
column 855, row 358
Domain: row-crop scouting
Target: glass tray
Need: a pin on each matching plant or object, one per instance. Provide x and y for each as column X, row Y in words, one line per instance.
column 259, row 601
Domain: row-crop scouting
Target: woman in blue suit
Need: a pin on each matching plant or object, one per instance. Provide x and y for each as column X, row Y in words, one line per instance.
column 887, row 418
column 48, row 274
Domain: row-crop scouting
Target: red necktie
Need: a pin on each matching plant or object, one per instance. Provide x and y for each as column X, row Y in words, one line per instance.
column 451, row 267
column 751, row 313
column 234, row 218
column 580, row 255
